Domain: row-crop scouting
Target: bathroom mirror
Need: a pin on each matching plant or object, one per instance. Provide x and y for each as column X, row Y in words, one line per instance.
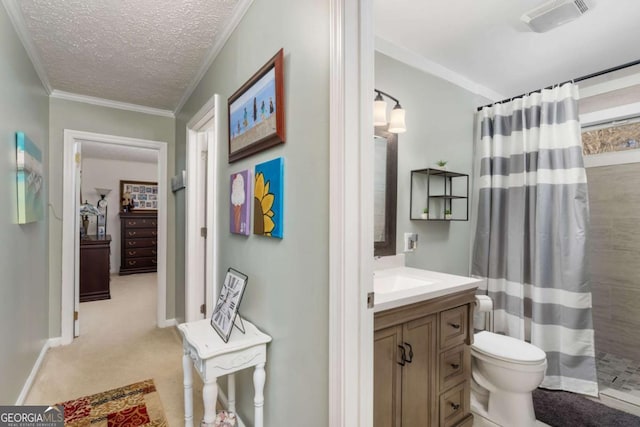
column 385, row 186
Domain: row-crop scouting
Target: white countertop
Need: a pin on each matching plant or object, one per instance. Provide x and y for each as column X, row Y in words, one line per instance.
column 395, row 287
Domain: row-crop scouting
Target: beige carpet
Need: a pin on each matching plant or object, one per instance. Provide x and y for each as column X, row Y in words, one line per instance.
column 119, row 344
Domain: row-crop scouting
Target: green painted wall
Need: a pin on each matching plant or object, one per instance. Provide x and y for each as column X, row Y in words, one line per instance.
column 24, row 297
column 91, row 118
column 287, row 294
column 439, row 117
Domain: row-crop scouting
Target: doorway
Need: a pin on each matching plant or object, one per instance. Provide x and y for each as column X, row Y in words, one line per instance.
column 117, row 276
column 73, row 141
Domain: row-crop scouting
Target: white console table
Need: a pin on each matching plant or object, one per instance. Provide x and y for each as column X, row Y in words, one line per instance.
column 213, row 358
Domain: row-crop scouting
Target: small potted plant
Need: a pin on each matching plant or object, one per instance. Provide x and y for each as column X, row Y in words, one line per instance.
column 442, row 164
column 447, row 214
column 425, row 213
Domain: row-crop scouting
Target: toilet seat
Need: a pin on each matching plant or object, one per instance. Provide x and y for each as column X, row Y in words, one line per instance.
column 507, row 349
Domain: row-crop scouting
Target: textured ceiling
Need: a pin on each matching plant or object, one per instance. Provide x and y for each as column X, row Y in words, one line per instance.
column 143, row 52
column 148, row 52
column 485, row 42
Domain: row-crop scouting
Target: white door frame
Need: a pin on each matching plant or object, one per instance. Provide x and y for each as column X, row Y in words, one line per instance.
column 206, row 122
column 351, row 221
column 70, row 228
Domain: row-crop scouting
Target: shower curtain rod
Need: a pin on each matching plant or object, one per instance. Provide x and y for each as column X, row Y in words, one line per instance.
column 579, row 79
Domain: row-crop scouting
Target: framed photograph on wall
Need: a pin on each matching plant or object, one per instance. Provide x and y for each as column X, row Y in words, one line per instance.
column 256, row 111
column 226, row 309
column 138, row 196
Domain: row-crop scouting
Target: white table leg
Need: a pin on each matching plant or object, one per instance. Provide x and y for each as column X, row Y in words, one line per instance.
column 259, row 377
column 210, row 398
column 231, row 382
column 188, row 389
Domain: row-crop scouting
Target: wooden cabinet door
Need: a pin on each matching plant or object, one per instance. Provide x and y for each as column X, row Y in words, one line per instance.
column 419, row 380
column 387, row 398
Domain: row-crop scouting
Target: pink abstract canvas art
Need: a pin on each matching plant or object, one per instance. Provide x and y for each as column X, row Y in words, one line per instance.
column 240, row 203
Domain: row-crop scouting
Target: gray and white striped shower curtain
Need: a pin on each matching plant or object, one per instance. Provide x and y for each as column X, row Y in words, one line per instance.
column 532, row 222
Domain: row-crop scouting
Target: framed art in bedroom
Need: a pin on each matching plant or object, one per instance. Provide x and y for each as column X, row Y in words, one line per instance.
column 138, row 196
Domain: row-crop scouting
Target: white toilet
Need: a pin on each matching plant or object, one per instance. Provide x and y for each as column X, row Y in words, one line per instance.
column 505, row 372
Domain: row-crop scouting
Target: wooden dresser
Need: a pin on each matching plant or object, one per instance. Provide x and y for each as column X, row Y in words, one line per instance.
column 94, row 268
column 138, row 242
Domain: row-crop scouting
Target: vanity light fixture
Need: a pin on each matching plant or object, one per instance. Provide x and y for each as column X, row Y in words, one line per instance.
column 397, row 123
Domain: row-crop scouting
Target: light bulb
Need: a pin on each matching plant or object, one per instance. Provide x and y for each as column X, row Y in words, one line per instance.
column 396, row 123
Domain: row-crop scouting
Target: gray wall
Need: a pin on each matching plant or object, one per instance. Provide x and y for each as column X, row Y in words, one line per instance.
column 90, row 118
column 24, row 298
column 614, row 242
column 287, row 292
column 439, row 117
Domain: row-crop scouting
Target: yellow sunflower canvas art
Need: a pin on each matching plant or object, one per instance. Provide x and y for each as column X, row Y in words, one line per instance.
column 268, row 206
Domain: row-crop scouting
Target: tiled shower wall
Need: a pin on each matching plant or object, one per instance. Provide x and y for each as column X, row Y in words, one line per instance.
column 614, row 258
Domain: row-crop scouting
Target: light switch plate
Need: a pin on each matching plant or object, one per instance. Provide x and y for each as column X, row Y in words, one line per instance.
column 179, row 181
column 410, row 242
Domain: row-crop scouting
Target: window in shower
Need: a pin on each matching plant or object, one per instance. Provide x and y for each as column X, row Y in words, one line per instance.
column 611, row 137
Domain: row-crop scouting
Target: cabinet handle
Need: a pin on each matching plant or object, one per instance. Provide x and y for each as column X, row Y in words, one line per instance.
column 154, row 233
column 153, row 242
column 455, row 365
column 132, row 233
column 403, row 356
column 131, row 243
column 132, row 253
column 455, row 325
column 130, row 223
column 132, row 262
column 410, row 359
column 154, row 252
column 154, row 261
column 455, row 406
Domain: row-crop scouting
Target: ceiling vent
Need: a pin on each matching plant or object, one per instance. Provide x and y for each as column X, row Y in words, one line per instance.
column 554, row 13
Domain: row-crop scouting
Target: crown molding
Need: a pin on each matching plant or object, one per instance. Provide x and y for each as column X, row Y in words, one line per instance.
column 415, row 60
column 15, row 15
column 58, row 94
column 221, row 40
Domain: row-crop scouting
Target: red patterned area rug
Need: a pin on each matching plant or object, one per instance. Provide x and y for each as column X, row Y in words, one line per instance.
column 130, row 406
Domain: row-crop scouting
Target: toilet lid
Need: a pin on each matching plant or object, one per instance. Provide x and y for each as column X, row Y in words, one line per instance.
column 507, row 348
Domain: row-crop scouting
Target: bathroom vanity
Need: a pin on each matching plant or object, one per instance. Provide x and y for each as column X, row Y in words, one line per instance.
column 422, row 336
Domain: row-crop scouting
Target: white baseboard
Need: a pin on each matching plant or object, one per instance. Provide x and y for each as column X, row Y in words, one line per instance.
column 55, row 342
column 51, row 342
column 222, row 397
column 168, row 323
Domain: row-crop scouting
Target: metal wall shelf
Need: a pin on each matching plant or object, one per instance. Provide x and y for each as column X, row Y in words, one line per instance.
column 442, row 182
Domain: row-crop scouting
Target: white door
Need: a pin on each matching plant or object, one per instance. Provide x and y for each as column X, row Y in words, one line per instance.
column 77, row 153
column 200, row 290
column 200, row 218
